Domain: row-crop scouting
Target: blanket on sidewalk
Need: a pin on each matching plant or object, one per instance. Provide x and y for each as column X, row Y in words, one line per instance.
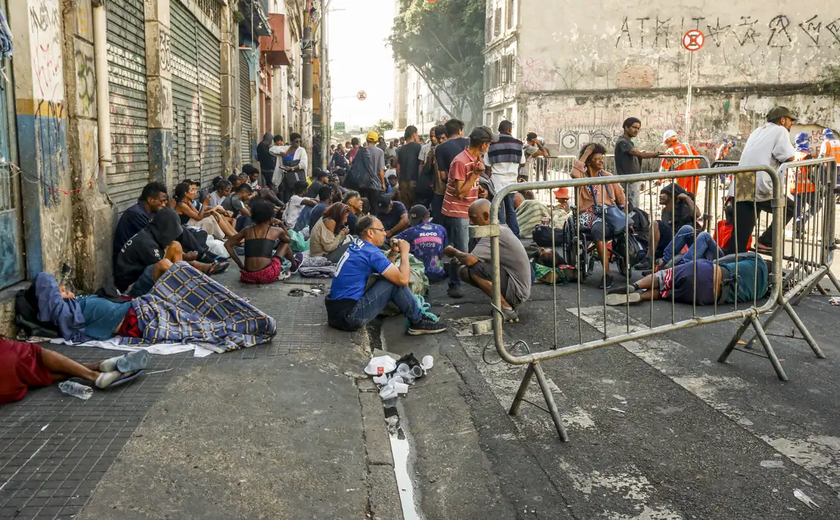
column 186, row 306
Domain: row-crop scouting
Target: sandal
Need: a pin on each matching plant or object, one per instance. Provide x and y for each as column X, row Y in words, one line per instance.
column 218, row 268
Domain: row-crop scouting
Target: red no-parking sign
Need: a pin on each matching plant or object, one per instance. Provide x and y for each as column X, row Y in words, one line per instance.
column 362, row 95
column 693, row 40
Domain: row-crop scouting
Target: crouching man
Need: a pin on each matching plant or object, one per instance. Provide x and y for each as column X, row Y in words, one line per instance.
column 477, row 267
column 350, row 306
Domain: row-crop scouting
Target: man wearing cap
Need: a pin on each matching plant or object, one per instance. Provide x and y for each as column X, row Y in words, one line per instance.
column 375, row 183
column 768, row 145
column 427, row 241
column 675, row 147
column 461, row 191
column 505, row 158
column 393, row 215
column 319, row 178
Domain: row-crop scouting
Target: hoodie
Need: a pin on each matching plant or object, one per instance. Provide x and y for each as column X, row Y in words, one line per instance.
column 146, row 247
column 683, row 216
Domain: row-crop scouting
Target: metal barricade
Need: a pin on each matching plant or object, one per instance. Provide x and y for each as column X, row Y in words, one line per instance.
column 749, row 310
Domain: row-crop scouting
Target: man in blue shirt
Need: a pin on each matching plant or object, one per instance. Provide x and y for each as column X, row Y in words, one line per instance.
column 350, row 306
column 427, row 241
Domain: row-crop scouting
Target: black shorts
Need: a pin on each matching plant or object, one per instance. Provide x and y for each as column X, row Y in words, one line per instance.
column 484, row 271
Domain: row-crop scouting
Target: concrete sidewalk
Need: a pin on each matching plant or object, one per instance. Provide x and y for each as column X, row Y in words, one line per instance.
column 292, row 429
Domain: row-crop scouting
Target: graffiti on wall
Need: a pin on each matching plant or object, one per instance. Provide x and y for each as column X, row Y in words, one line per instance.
column 164, row 49
column 85, row 81
column 45, row 33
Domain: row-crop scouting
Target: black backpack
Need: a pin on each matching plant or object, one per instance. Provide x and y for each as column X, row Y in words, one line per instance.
column 26, row 315
column 361, row 171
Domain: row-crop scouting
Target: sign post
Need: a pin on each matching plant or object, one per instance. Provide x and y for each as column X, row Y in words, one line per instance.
column 693, row 41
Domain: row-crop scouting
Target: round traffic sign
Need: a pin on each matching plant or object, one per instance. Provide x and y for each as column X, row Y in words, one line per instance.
column 693, row 40
column 362, row 95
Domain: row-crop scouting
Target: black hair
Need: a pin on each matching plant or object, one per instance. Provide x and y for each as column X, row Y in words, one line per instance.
column 364, row 223
column 223, row 185
column 630, row 121
column 440, row 130
column 531, row 136
column 349, row 195
column 233, row 177
column 216, row 180
column 354, row 141
column 249, row 169
column 262, row 211
column 244, row 187
column 295, row 136
column 476, row 142
column 153, row 189
column 453, row 126
column 409, row 131
column 181, row 191
column 325, row 192
column 596, row 148
column 300, row 187
column 365, row 205
column 278, row 138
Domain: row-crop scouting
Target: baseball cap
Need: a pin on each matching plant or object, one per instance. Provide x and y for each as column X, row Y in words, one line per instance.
column 418, row 214
column 669, row 134
column 372, row 136
column 778, row 112
column 320, row 173
column 383, row 201
column 484, row 134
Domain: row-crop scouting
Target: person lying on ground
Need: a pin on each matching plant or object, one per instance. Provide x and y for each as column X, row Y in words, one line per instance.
column 702, row 247
column 325, row 196
column 393, row 215
column 26, row 365
column 600, row 208
column 296, row 204
column 353, row 200
column 223, row 189
column 716, row 282
column 329, row 233
column 136, row 260
column 477, row 266
column 262, row 263
column 678, row 211
column 210, row 219
column 152, row 199
column 350, row 305
column 427, row 241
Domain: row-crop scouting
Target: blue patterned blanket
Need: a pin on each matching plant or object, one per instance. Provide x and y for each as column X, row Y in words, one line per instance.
column 187, row 306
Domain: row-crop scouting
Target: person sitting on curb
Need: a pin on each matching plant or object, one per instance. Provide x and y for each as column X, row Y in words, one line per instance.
column 716, row 282
column 477, row 267
column 262, row 263
column 427, row 242
column 350, row 306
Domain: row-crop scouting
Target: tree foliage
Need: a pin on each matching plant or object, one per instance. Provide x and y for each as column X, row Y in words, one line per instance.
column 443, row 41
column 383, row 126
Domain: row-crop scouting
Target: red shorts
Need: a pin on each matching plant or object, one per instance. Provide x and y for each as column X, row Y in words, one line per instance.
column 20, row 368
column 129, row 327
column 266, row 275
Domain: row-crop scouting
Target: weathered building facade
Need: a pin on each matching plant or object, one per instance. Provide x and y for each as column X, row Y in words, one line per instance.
column 573, row 74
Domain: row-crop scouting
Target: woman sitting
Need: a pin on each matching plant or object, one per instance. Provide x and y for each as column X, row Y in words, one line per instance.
column 211, row 219
column 262, row 264
column 327, row 237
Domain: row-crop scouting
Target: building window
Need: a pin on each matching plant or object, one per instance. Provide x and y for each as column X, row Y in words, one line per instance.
column 488, row 29
column 504, row 74
column 509, row 14
column 497, row 29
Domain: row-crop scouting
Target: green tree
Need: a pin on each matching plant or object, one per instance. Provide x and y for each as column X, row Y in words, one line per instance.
column 443, row 41
column 383, row 126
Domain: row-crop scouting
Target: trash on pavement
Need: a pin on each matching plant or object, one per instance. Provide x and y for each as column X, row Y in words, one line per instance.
column 395, row 376
column 805, row 499
column 74, row 389
column 427, row 362
column 834, row 301
column 380, row 365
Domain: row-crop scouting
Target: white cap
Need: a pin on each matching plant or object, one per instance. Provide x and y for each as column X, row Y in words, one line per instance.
column 668, row 135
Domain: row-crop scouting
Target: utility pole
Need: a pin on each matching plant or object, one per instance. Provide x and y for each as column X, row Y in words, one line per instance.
column 306, row 130
column 325, row 98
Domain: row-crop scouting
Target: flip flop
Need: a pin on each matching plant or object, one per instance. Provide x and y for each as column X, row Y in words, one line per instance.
column 128, row 362
column 623, row 299
column 108, row 380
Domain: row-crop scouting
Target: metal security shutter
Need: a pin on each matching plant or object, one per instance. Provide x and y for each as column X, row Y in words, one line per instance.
column 196, row 98
column 244, row 110
column 127, row 95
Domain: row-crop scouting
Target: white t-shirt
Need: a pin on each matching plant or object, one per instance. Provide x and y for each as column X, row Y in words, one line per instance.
column 768, row 145
column 216, row 199
column 293, row 209
column 424, row 151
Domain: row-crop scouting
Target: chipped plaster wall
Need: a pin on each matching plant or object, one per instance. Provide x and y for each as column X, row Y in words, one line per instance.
column 580, row 74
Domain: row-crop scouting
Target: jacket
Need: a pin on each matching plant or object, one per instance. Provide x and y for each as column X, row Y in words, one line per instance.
column 612, row 195
column 146, row 247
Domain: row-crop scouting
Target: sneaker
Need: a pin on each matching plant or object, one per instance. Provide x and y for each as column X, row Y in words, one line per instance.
column 624, row 289
column 623, row 299
column 606, row 284
column 130, row 362
column 510, row 315
column 426, row 326
column 455, row 291
column 644, row 265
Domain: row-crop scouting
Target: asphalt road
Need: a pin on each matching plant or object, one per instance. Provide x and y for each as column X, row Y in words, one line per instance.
column 658, row 429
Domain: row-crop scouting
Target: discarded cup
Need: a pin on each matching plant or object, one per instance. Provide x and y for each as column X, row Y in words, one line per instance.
column 398, row 379
column 403, row 369
column 416, row 371
column 387, row 392
column 427, row 362
column 400, row 388
column 381, row 380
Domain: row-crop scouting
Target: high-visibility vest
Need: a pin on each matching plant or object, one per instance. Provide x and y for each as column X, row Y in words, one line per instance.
column 831, row 148
column 721, row 152
column 687, row 183
column 803, row 182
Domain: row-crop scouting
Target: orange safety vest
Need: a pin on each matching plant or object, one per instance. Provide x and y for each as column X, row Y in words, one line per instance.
column 803, row 182
column 832, row 149
column 687, row 183
column 722, row 152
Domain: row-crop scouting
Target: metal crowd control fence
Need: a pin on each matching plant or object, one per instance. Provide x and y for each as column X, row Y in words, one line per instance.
column 749, row 311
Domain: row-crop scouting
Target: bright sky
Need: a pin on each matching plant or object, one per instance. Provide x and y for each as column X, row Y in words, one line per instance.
column 360, row 60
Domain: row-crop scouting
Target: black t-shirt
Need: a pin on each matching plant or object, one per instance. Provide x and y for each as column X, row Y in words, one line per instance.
column 625, row 164
column 446, row 152
column 313, row 189
column 392, row 218
column 682, row 216
column 139, row 252
column 408, row 157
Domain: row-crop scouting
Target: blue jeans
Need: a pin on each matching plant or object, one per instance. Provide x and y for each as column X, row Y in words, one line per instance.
column 377, row 297
column 458, row 231
column 507, row 215
column 437, row 208
column 144, row 284
column 303, row 219
column 704, row 246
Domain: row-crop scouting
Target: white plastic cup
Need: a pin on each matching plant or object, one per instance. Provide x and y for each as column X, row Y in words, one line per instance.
column 398, row 379
column 427, row 362
column 381, row 380
column 403, row 369
column 400, row 388
column 387, row 392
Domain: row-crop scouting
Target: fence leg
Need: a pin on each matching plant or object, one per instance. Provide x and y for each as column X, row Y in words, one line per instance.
column 734, row 341
column 805, row 292
column 549, row 401
column 804, row 331
column 523, row 387
column 768, row 349
column 751, row 343
column 833, row 280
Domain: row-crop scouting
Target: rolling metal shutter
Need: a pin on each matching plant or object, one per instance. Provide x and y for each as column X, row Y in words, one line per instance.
column 196, row 98
column 126, row 36
column 244, row 110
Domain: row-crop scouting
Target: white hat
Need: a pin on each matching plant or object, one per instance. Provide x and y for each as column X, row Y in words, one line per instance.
column 385, row 363
column 668, row 135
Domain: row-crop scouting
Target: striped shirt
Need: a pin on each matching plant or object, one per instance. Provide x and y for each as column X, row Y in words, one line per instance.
column 463, row 167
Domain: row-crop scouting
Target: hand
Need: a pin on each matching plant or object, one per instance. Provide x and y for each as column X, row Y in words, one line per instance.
column 587, row 152
column 402, row 245
column 207, row 200
column 189, row 257
column 449, row 251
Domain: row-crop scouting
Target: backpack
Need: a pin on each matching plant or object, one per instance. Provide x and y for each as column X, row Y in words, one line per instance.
column 425, row 188
column 361, row 171
column 26, row 315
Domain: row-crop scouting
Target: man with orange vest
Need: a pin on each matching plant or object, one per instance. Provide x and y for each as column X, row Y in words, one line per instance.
column 675, row 147
column 830, row 145
column 804, row 191
column 723, row 150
